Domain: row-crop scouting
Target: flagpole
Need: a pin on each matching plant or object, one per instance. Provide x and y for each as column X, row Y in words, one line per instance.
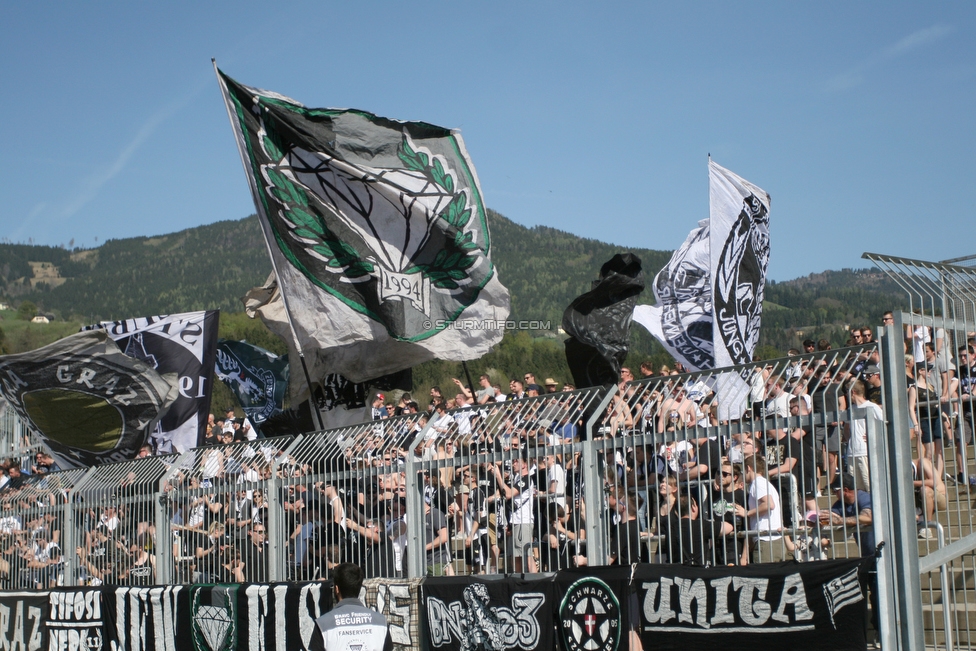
column 267, row 243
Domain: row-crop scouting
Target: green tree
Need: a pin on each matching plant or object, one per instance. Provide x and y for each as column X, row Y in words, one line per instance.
column 27, row 311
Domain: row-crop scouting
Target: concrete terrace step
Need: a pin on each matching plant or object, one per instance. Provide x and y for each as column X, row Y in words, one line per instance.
column 963, row 622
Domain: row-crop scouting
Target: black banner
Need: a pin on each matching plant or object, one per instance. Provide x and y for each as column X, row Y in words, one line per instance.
column 147, row 619
column 23, row 618
column 467, row 614
column 596, row 609
column 789, row 606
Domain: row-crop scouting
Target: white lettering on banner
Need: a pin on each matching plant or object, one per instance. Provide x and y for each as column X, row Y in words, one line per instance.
column 721, row 588
column 135, row 608
column 306, row 619
column 480, row 625
column 76, row 606
column 690, row 592
column 261, row 609
column 12, row 629
column 257, row 610
column 186, row 331
column 663, row 612
column 86, row 377
column 75, row 621
column 695, row 599
column 793, row 594
column 74, row 639
column 753, row 612
column 393, row 600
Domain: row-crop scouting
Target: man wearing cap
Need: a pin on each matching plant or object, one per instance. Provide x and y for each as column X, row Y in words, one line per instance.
column 551, row 385
column 379, row 409
column 852, row 509
column 872, row 383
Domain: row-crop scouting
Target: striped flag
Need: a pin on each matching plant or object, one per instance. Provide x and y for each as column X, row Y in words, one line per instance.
column 842, row 591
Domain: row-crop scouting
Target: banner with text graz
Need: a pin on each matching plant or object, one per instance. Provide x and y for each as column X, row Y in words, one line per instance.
column 468, row 614
column 52, row 619
column 789, row 606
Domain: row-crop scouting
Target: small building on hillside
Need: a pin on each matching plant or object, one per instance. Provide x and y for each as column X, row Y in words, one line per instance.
column 40, row 318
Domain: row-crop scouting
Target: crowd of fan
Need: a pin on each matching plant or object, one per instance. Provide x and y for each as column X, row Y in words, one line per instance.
column 503, row 485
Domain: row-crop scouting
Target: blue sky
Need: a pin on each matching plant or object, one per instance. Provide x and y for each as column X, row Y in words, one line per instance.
column 595, row 118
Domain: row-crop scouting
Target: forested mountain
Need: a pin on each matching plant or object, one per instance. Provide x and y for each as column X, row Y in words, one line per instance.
column 211, row 267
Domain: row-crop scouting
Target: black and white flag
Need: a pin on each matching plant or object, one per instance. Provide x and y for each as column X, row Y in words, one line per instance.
column 89, row 402
column 709, row 296
column 184, row 344
column 841, row 592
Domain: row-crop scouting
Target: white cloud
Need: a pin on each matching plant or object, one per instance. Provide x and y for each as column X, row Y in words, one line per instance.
column 855, row 76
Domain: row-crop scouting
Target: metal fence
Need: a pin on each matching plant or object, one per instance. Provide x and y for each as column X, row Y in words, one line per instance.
column 17, row 442
column 728, row 467
column 935, row 419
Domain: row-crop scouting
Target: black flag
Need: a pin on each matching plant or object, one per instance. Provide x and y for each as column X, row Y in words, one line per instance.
column 598, row 322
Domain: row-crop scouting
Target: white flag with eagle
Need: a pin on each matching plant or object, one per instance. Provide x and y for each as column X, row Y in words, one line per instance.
column 377, row 230
column 710, row 294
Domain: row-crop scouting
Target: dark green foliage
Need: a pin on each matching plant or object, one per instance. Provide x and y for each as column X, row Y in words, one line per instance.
column 211, row 267
column 27, row 310
column 821, row 305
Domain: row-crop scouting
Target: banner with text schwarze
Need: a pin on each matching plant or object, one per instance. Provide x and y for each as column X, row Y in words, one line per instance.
column 819, row 605
column 595, row 608
column 482, row 614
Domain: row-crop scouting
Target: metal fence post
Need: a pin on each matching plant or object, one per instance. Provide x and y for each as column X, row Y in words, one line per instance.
column 596, row 521
column 416, row 552
column 900, row 556
column 274, row 527
column 71, row 568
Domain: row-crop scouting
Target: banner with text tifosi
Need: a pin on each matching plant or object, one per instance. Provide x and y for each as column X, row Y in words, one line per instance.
column 478, row 614
column 768, row 606
column 52, row 619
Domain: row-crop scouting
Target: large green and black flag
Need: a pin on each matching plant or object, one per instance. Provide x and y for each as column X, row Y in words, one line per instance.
column 257, row 377
column 91, row 403
column 378, row 234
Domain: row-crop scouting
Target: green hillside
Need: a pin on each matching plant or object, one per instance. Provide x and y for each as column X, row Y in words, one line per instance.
column 211, row 267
